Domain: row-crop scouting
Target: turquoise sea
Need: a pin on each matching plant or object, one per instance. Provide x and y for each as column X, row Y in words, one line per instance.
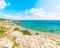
column 48, row 26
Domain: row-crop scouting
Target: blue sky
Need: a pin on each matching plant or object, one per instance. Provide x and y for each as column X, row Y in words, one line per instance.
column 20, row 5
column 30, row 9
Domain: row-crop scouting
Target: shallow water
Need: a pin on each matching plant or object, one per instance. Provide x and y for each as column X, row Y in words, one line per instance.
column 49, row 26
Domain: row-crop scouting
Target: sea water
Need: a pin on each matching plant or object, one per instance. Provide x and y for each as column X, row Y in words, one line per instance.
column 48, row 26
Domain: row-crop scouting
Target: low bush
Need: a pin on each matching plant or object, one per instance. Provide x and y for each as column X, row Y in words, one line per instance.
column 16, row 29
column 2, row 31
column 25, row 32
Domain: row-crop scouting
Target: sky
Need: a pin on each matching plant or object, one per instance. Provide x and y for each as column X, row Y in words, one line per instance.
column 30, row 9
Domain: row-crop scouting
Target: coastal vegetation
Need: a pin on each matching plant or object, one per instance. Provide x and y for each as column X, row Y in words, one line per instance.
column 16, row 29
column 2, row 29
column 25, row 32
column 14, row 43
column 2, row 19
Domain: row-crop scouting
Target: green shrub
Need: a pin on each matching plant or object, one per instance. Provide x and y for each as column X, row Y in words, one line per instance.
column 2, row 19
column 25, row 32
column 2, row 31
column 2, row 28
column 16, row 29
column 14, row 45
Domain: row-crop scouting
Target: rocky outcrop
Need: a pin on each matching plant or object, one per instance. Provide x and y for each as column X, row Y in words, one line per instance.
column 17, row 22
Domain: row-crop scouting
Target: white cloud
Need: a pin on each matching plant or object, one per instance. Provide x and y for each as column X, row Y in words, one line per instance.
column 3, row 4
column 7, row 16
column 34, row 14
column 40, row 14
column 34, row 10
column 58, row 6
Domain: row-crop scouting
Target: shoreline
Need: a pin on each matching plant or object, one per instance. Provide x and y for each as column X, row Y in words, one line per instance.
column 42, row 34
column 35, row 31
